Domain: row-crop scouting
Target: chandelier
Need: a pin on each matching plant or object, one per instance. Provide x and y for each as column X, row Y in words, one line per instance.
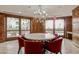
column 40, row 14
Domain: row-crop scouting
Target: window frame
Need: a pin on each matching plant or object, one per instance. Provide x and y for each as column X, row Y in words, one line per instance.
column 49, row 29
column 20, row 31
column 64, row 26
column 54, row 25
column 21, row 26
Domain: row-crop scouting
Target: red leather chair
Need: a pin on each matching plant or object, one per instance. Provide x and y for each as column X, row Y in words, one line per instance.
column 56, row 36
column 33, row 47
column 55, row 46
column 21, row 43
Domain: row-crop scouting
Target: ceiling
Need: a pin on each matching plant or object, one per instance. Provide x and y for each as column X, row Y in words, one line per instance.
column 28, row 10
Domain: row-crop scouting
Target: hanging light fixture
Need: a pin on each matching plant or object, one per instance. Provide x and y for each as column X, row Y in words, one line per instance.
column 40, row 14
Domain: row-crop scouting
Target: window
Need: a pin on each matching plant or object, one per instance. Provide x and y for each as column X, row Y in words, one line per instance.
column 49, row 26
column 59, row 26
column 12, row 27
column 25, row 26
column 55, row 26
column 16, row 27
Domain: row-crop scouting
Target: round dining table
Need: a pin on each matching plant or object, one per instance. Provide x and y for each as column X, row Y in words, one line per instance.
column 39, row 36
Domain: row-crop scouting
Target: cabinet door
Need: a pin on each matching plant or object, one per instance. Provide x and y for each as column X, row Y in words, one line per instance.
column 37, row 27
column 2, row 28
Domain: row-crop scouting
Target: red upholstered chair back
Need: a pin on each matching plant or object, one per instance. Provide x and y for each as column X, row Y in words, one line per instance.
column 56, row 34
column 21, row 41
column 33, row 47
column 55, row 46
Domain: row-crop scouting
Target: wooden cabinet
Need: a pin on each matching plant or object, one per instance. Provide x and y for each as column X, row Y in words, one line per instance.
column 37, row 26
column 75, row 24
column 68, row 27
column 2, row 31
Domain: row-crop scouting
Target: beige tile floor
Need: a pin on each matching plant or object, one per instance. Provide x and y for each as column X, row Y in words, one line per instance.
column 11, row 47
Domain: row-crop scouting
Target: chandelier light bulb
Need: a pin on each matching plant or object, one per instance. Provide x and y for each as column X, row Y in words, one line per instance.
column 40, row 13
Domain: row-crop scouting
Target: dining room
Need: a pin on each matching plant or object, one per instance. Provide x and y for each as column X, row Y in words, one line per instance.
column 39, row 29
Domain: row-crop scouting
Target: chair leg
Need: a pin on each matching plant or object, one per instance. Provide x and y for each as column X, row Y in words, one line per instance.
column 19, row 50
column 60, row 52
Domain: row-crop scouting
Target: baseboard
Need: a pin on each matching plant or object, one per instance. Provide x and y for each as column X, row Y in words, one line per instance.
column 6, row 40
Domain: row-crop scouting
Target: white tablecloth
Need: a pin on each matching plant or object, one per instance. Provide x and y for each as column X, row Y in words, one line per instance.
column 39, row 36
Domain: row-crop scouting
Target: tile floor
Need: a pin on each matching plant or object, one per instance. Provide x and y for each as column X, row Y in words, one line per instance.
column 11, row 47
